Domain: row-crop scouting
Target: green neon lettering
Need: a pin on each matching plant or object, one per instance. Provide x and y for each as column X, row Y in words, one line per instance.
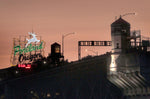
column 30, row 48
column 16, row 49
column 40, row 47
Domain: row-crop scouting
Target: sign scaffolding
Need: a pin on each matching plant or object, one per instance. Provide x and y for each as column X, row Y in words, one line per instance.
column 27, row 49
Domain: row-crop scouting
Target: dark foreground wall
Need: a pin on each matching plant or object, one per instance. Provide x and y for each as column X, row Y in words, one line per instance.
column 145, row 65
column 86, row 79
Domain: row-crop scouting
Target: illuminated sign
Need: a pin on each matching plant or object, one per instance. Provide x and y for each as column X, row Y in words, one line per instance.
column 34, row 39
column 27, row 49
column 26, row 66
column 29, row 57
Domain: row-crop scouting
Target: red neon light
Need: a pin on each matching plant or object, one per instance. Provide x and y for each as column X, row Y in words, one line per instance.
column 28, row 66
column 21, row 65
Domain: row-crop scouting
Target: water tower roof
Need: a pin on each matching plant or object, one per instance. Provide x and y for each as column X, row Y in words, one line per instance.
column 120, row 21
column 55, row 44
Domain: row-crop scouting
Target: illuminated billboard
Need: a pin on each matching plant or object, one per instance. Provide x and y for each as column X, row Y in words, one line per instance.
column 27, row 49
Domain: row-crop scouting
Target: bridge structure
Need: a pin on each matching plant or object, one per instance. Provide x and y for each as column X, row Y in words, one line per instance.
column 85, row 79
column 91, row 43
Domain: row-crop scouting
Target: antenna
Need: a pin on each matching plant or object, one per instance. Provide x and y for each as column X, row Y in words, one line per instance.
column 32, row 29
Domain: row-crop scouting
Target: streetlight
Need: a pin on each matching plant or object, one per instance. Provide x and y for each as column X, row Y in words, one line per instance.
column 127, row 14
column 95, row 52
column 63, row 36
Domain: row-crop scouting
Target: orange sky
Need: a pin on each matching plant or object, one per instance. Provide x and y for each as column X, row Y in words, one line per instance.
column 90, row 19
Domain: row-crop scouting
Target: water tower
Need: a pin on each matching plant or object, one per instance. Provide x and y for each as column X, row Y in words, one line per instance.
column 55, row 57
column 120, row 31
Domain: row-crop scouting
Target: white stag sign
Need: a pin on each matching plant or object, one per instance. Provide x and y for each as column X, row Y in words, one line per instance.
column 32, row 40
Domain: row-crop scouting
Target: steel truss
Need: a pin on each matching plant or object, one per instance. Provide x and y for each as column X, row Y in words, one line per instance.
column 91, row 43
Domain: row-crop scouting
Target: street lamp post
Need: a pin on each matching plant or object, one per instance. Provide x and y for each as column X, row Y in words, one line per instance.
column 63, row 36
column 127, row 14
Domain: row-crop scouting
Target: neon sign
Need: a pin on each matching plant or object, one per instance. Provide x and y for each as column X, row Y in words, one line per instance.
column 26, row 66
column 30, row 48
column 34, row 39
column 30, row 57
column 27, row 49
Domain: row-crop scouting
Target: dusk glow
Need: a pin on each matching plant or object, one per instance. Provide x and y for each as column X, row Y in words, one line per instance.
column 50, row 19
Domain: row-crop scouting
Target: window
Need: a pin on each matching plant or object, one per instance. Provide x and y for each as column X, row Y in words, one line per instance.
column 117, row 45
column 57, row 50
